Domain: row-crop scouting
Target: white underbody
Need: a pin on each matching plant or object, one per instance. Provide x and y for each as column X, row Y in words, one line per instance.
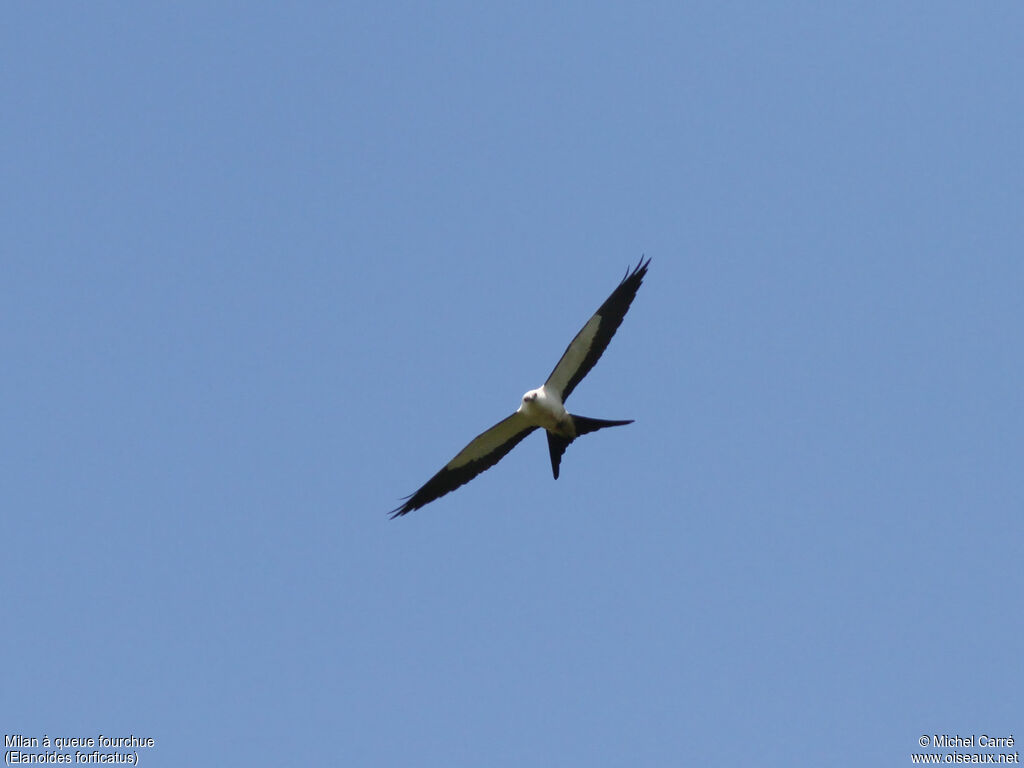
column 543, row 408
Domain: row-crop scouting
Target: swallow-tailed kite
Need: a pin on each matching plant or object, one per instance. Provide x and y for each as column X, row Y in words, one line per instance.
column 542, row 407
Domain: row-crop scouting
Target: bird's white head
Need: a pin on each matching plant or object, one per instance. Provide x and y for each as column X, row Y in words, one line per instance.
column 542, row 408
column 530, row 398
column 530, row 402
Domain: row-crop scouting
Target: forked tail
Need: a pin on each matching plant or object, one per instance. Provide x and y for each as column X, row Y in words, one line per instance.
column 583, row 425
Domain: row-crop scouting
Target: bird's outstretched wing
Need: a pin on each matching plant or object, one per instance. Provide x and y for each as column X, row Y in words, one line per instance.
column 585, row 350
column 483, row 452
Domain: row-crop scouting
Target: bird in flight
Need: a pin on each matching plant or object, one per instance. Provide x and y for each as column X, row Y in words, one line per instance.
column 541, row 407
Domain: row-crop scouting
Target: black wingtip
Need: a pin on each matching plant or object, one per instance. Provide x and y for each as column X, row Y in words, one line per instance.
column 402, row 509
column 638, row 271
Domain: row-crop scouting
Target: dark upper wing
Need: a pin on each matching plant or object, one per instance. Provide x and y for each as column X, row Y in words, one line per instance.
column 585, row 350
column 482, row 453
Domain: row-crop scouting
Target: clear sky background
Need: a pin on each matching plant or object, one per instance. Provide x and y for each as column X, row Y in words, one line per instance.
column 267, row 267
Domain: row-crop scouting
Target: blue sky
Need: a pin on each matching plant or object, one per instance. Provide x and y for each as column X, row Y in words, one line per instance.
column 267, row 267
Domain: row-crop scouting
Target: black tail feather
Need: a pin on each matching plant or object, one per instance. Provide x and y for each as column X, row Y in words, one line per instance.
column 556, row 447
column 583, row 425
